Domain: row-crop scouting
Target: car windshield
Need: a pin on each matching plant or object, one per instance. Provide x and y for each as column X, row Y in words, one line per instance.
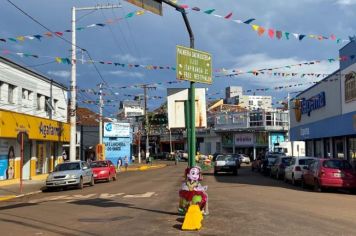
column 305, row 162
column 225, row 158
column 271, row 159
column 337, row 164
column 67, row 166
column 95, row 164
column 286, row 161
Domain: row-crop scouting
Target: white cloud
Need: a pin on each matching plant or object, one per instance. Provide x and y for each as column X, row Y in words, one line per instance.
column 260, row 61
column 122, row 73
column 346, row 2
column 60, row 73
column 128, row 58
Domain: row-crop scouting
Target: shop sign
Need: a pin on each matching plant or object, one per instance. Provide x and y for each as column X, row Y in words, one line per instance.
column 117, row 149
column 304, row 132
column 113, row 129
column 306, row 106
column 37, row 128
column 244, row 139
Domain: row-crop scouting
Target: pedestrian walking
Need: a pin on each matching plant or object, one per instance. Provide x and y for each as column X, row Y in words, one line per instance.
column 126, row 160
column 119, row 163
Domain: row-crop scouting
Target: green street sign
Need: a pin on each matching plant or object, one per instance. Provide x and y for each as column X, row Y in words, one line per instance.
column 193, row 65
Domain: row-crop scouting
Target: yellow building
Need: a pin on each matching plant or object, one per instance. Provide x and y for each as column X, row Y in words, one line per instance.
column 42, row 150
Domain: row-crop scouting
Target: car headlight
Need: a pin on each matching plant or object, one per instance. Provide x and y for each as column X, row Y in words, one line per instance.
column 73, row 176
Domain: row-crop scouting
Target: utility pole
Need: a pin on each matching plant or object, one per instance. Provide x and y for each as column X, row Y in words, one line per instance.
column 73, row 82
column 145, row 87
column 101, row 104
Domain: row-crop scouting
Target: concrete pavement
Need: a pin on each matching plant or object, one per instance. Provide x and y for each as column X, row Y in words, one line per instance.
column 10, row 189
column 145, row 203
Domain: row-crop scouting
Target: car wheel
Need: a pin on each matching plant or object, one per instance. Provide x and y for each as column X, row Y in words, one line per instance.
column 114, row 177
column 317, row 187
column 92, row 181
column 81, row 183
column 293, row 180
column 109, row 178
column 215, row 172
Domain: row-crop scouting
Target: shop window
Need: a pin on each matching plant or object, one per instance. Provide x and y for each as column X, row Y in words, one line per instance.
column 39, row 105
column 55, row 105
column 260, row 103
column 352, row 150
column 318, row 148
column 250, row 103
column 11, row 91
column 339, row 148
column 350, row 87
column 309, row 148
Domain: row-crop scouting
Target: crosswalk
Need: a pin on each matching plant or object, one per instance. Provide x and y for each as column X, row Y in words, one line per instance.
column 75, row 197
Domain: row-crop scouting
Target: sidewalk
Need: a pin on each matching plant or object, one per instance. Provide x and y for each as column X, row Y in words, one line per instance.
column 10, row 189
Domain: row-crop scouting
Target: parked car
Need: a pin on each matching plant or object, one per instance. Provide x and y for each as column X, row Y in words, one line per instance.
column 268, row 162
column 182, row 155
column 103, row 170
column 244, row 159
column 329, row 173
column 226, row 163
column 294, row 171
column 278, row 168
column 67, row 174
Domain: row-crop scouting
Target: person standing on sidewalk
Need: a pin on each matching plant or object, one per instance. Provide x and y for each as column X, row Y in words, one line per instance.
column 126, row 161
column 119, row 163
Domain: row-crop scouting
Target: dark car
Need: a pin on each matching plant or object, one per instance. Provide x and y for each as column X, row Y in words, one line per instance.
column 226, row 163
column 268, row 162
column 277, row 170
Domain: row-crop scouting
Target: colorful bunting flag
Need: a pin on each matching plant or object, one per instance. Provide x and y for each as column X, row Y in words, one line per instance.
column 209, row 11
column 228, row 16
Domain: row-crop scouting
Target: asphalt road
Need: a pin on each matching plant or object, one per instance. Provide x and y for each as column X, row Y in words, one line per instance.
column 145, row 203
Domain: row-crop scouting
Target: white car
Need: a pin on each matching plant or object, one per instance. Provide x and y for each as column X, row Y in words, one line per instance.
column 294, row 171
column 244, row 159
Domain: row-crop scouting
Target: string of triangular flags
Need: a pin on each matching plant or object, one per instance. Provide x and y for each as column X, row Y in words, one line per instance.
column 117, row 100
column 50, row 35
column 68, row 61
column 272, row 33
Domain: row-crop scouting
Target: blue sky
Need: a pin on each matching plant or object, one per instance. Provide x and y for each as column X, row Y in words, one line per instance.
column 150, row 40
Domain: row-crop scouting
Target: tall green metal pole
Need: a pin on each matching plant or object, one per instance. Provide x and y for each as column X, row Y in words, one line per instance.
column 187, row 126
column 191, row 123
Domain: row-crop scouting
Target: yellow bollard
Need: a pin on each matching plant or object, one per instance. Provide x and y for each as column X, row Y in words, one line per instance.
column 193, row 218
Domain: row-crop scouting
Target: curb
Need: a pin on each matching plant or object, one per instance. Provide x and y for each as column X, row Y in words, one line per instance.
column 144, row 168
column 9, row 197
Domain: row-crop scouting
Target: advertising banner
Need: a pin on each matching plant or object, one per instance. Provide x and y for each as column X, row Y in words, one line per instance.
column 275, row 139
column 244, row 139
column 112, row 129
column 117, row 149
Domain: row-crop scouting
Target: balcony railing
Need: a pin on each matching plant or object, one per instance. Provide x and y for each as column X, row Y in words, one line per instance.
column 276, row 120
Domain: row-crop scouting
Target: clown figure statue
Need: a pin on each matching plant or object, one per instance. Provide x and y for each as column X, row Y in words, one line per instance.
column 192, row 192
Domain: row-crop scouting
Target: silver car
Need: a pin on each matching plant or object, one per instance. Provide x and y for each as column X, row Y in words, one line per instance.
column 75, row 173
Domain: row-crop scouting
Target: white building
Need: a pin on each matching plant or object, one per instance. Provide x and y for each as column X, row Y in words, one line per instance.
column 234, row 95
column 37, row 105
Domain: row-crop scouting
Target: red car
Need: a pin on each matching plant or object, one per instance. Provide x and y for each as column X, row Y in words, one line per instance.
column 103, row 170
column 329, row 173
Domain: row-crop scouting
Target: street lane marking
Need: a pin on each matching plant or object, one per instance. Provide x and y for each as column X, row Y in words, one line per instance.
column 71, row 198
column 110, row 195
column 143, row 195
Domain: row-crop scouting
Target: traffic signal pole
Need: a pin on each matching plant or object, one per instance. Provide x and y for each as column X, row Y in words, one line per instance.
column 190, row 125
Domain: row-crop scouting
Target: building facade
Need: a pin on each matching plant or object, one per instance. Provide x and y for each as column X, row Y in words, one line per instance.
column 34, row 104
column 325, row 114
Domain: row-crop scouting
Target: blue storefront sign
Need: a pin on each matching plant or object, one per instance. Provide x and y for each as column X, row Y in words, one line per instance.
column 117, row 148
